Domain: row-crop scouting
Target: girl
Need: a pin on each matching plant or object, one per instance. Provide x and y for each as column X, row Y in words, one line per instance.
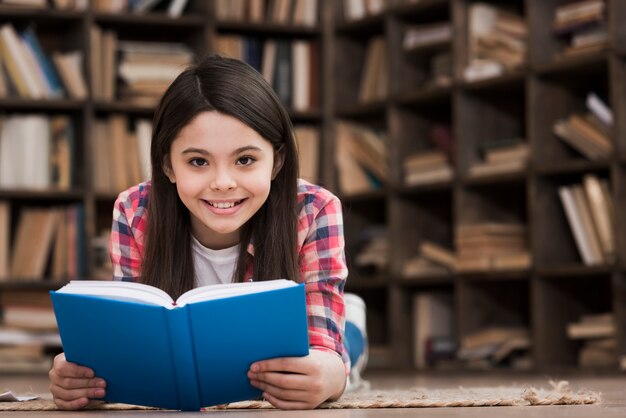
column 224, row 204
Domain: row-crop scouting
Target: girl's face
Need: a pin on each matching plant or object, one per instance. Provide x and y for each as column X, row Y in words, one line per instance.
column 223, row 170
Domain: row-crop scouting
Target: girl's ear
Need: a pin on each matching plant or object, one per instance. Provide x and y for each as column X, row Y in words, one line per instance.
column 167, row 168
column 279, row 160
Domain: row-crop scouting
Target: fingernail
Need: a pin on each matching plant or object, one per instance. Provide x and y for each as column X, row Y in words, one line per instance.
column 101, row 383
column 254, row 367
column 99, row 393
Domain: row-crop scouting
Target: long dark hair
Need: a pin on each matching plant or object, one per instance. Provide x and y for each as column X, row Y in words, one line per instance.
column 233, row 88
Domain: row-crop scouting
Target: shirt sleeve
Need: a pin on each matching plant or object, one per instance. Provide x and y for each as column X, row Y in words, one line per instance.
column 125, row 248
column 324, row 271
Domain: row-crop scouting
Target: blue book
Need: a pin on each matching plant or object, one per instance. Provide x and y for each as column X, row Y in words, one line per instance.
column 185, row 354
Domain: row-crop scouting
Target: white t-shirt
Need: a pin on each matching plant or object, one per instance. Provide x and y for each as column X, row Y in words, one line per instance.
column 213, row 266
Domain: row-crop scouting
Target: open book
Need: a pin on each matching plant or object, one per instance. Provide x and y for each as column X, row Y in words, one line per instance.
column 183, row 354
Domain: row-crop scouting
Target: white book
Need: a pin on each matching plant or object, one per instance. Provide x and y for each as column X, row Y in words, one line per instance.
column 568, row 201
column 301, row 74
column 176, row 7
column 143, row 128
column 600, row 109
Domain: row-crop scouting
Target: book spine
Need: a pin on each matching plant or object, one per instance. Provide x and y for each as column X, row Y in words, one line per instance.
column 183, row 358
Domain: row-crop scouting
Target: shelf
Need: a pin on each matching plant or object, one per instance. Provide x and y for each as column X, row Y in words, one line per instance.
column 378, row 194
column 299, row 116
column 267, row 29
column 186, row 22
column 572, row 270
column 424, row 97
column 362, row 27
column 426, row 281
column 428, row 48
column 441, row 186
column 494, row 275
column 575, row 64
column 426, row 9
column 121, row 107
column 47, row 195
column 40, row 15
column 571, row 167
column 46, row 105
column 511, row 177
column 365, row 110
column 500, row 83
column 30, row 285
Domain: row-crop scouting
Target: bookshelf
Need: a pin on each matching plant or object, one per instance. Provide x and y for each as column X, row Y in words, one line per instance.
column 523, row 103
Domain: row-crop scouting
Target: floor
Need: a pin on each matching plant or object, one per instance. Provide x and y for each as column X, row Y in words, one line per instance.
column 612, row 387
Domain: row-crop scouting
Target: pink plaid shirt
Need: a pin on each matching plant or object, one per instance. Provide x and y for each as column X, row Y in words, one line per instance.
column 321, row 256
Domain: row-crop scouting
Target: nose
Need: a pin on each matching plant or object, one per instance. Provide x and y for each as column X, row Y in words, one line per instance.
column 222, row 179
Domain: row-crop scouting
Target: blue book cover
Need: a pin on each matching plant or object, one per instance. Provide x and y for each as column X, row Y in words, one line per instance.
column 182, row 357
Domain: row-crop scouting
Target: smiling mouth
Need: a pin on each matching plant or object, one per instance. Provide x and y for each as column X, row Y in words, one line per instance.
column 224, row 205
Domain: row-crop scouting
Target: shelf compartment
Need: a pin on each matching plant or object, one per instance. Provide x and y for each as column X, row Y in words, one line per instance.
column 267, row 29
column 564, row 302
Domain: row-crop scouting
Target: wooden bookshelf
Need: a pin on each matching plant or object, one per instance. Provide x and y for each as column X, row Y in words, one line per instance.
column 555, row 290
column 525, row 103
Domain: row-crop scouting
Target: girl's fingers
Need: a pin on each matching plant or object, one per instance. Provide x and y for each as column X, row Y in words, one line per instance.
column 285, row 404
column 78, row 383
column 282, row 380
column 71, row 395
column 70, row 405
column 279, row 392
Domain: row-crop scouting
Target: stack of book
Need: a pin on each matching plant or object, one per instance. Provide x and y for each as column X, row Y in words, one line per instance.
column 147, row 69
column 282, row 12
column 495, row 346
column 430, row 35
column 46, row 4
column 374, row 83
column 497, row 41
column 589, row 133
column 584, row 23
column 427, row 167
column 492, row 247
column 361, row 158
column 359, row 9
column 432, row 260
column 103, row 61
column 597, row 335
column 290, row 67
column 121, row 158
column 28, row 72
column 501, row 157
column 37, row 152
column 591, row 216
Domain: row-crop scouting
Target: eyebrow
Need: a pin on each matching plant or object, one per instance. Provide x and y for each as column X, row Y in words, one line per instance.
column 192, row 150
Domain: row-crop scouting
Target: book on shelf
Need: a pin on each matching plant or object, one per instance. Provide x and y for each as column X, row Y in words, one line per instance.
column 589, row 212
column 421, row 267
column 497, row 41
column 432, row 317
column 584, row 24
column 154, row 351
column 5, row 224
column 172, row 8
column 359, row 9
column 501, row 157
column 37, row 152
column 307, row 141
column 595, row 326
column 361, row 158
column 281, row 12
column 374, row 83
column 438, row 254
column 426, row 35
column 426, row 166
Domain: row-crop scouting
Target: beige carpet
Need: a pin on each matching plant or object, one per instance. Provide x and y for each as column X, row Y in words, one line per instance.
column 557, row 394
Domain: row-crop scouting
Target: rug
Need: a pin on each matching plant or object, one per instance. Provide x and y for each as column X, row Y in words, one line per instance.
column 558, row 394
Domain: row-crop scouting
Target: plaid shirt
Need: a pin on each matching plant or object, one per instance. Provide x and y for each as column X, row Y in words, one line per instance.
column 320, row 247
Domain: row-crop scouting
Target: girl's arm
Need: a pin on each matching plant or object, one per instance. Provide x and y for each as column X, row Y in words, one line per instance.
column 306, row 382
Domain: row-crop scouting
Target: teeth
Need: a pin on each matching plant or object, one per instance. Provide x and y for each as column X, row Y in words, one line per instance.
column 222, row 205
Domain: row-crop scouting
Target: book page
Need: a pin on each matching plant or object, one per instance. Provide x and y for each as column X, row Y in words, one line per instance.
column 123, row 291
column 218, row 291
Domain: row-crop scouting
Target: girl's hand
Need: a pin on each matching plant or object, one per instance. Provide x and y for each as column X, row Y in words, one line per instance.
column 300, row 382
column 72, row 386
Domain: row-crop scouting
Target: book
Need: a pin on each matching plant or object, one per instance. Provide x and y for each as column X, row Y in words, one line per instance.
column 184, row 354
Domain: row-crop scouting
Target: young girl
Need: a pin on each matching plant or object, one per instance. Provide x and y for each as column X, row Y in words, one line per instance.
column 224, row 204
